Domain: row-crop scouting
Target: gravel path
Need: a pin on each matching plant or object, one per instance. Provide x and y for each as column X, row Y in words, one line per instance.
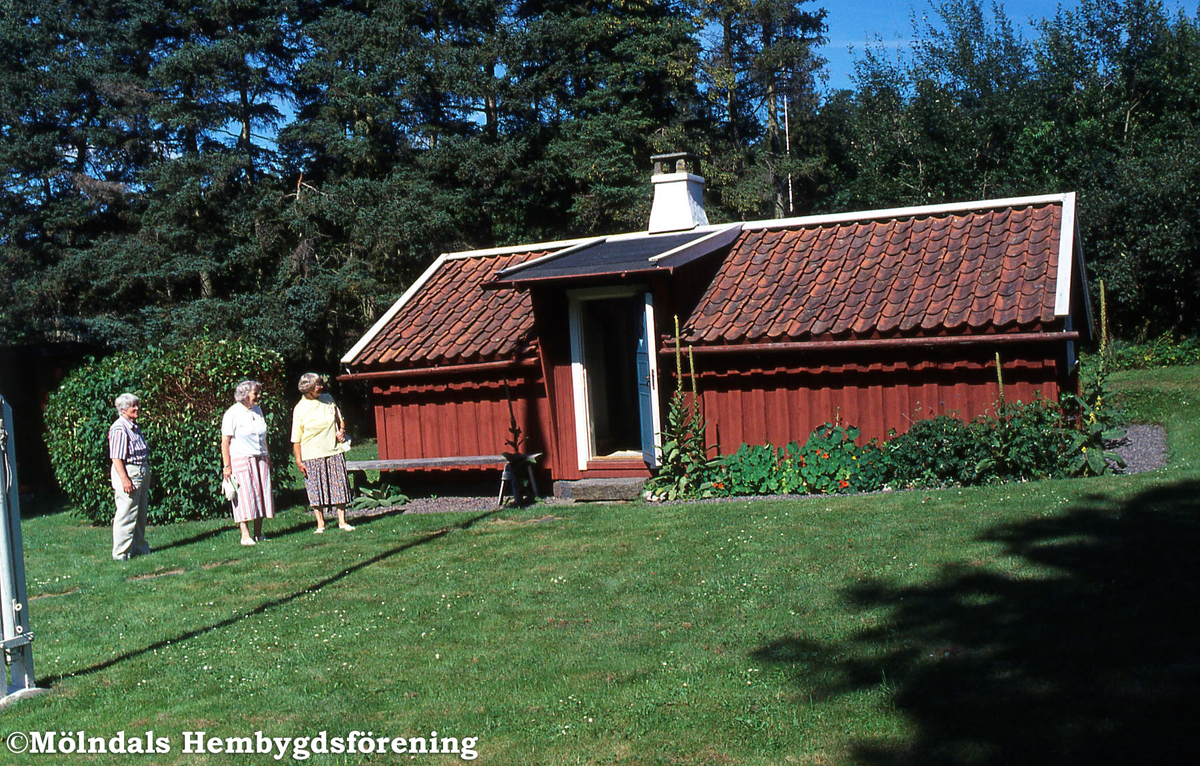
column 1144, row 448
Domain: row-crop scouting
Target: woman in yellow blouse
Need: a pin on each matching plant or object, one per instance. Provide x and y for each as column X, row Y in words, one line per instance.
column 318, row 432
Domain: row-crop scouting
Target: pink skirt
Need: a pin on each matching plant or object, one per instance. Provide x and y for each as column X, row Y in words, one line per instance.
column 253, row 501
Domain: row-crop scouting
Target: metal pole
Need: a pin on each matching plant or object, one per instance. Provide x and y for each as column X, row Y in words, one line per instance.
column 14, row 611
column 787, row 137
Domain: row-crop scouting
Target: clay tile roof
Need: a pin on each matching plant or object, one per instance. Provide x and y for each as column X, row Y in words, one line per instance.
column 980, row 268
column 451, row 319
column 970, row 270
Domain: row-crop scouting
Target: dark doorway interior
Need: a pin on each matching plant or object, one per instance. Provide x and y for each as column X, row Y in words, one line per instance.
column 611, row 328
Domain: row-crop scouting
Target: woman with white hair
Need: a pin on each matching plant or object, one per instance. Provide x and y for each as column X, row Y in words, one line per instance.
column 247, row 460
column 318, row 433
column 130, row 476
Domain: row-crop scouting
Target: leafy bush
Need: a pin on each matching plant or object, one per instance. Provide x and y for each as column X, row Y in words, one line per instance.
column 184, row 393
column 1018, row 441
column 754, row 470
column 1167, row 350
column 381, row 496
column 1022, row 441
column 830, row 462
column 936, row 452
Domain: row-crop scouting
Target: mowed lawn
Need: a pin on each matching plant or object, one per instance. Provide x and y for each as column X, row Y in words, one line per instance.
column 1033, row 623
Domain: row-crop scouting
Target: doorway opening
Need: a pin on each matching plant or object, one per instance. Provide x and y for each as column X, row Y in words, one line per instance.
column 614, row 375
column 611, row 331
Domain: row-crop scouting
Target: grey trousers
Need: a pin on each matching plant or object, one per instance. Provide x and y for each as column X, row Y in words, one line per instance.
column 129, row 523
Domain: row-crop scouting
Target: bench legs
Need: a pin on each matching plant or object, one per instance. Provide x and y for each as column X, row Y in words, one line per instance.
column 507, row 476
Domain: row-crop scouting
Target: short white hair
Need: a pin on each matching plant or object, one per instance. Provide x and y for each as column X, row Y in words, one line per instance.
column 125, row 401
column 242, row 392
column 310, row 379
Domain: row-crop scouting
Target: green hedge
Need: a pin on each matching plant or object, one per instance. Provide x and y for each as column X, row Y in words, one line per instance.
column 1167, row 350
column 184, row 393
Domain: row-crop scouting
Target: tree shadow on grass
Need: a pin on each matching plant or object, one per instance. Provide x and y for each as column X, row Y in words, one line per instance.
column 280, row 526
column 1095, row 660
column 272, row 604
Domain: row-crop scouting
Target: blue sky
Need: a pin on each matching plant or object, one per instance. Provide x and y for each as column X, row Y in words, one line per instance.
column 855, row 22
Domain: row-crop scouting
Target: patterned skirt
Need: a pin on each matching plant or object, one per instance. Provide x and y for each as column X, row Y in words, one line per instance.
column 326, row 481
column 253, row 500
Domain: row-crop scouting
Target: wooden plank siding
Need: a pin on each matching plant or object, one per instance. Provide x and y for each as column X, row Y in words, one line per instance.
column 760, row 401
column 782, row 404
column 453, row 417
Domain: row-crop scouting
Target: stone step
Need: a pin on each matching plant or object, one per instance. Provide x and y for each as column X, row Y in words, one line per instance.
column 599, row 490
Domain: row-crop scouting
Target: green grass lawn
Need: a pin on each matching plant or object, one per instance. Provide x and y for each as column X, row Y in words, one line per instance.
column 1022, row 624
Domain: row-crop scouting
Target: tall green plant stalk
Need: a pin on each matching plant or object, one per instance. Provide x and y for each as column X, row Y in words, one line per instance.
column 1000, row 379
column 1097, row 422
column 685, row 466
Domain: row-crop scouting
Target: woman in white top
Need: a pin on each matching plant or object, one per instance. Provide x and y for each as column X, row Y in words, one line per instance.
column 247, row 460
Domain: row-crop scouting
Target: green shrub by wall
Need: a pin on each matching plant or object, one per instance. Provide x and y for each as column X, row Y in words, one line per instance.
column 936, row 452
column 829, row 462
column 184, row 393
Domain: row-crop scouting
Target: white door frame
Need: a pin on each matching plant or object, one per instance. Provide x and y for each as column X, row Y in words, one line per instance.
column 579, row 381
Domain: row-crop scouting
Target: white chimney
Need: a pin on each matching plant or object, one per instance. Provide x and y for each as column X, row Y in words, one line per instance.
column 678, row 196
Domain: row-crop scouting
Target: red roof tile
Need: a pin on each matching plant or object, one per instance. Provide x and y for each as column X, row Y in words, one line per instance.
column 971, row 271
column 451, row 319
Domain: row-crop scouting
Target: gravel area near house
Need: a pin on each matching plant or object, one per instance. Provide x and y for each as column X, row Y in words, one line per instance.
column 1144, row 448
column 447, row 504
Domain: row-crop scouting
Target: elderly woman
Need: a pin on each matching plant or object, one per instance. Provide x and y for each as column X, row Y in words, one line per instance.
column 130, row 477
column 247, row 460
column 318, row 432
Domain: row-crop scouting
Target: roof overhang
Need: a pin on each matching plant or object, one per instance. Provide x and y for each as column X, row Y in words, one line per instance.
column 620, row 256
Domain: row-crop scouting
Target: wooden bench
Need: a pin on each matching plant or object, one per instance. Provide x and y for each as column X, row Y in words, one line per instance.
column 462, row 461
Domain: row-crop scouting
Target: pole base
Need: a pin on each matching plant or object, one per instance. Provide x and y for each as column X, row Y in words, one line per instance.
column 15, row 695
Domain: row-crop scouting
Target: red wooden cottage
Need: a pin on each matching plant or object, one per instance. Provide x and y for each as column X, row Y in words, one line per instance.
column 878, row 318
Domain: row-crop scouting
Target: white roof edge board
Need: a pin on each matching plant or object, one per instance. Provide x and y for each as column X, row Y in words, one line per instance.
column 565, row 243
column 905, row 212
column 1066, row 257
column 643, row 234
column 387, row 315
column 582, row 245
column 511, row 249
column 700, row 244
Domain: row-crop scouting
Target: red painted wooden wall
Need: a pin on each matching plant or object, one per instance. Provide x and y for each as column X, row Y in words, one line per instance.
column 453, row 416
column 781, row 404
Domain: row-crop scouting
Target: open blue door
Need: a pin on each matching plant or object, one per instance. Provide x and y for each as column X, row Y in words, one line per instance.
column 647, row 387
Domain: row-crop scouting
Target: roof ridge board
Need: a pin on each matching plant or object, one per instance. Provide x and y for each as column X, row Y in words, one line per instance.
column 907, row 212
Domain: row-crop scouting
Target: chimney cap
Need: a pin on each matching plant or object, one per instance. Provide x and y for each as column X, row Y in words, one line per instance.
column 677, row 162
